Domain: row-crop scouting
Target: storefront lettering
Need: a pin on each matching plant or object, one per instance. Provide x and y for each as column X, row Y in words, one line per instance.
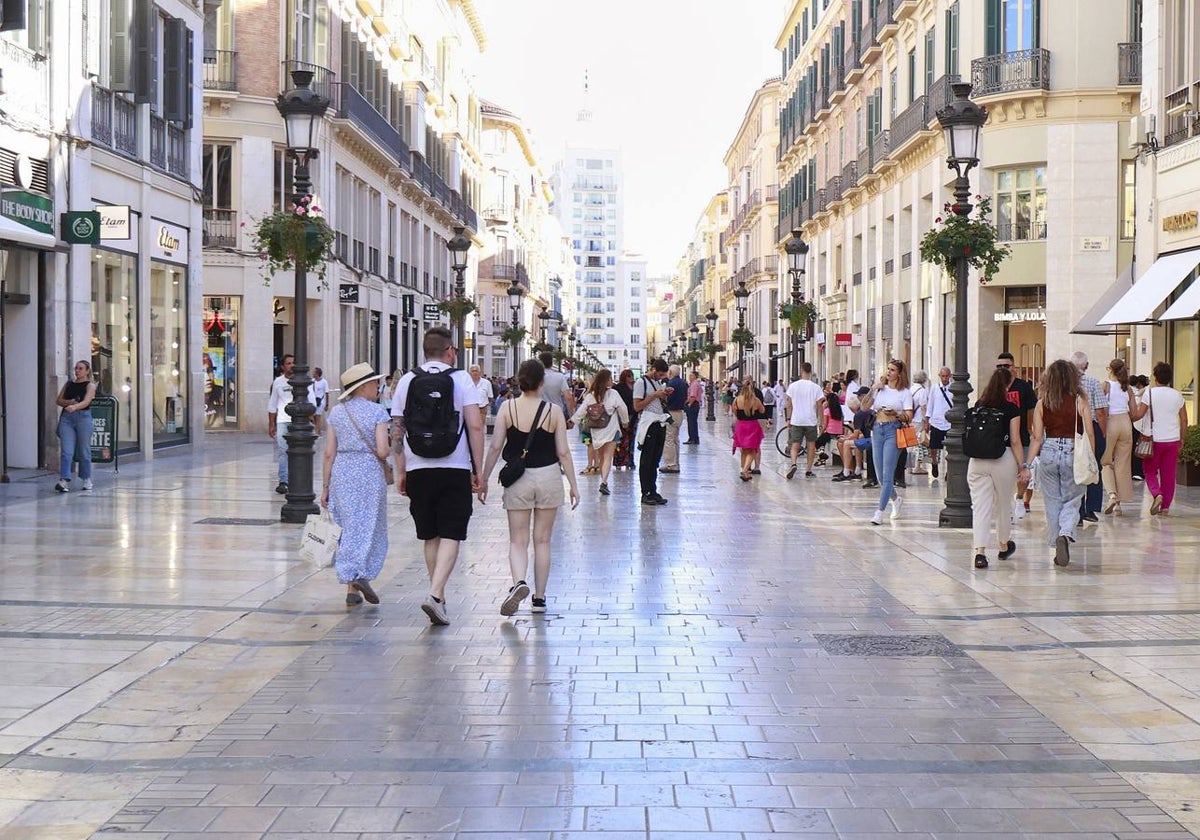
column 166, row 241
column 1180, row 221
column 1021, row 316
column 33, row 211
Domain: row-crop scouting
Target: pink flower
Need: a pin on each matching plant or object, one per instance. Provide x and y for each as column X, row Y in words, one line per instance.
column 243, row 224
column 300, row 211
column 938, row 219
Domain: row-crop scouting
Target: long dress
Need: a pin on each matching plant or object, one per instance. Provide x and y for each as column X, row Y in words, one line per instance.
column 357, row 492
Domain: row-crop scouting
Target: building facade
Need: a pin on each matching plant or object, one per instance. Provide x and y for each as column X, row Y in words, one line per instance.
column 106, row 124
column 700, row 275
column 400, row 167
column 863, row 172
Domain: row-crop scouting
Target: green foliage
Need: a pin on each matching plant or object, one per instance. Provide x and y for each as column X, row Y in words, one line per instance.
column 456, row 307
column 800, row 317
column 543, row 347
column 742, row 336
column 973, row 237
column 710, row 351
column 299, row 234
column 513, row 336
column 1189, row 453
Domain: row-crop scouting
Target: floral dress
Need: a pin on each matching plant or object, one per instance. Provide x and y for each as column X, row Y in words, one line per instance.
column 357, row 492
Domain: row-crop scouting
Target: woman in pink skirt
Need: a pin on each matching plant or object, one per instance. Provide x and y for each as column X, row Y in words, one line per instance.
column 749, row 411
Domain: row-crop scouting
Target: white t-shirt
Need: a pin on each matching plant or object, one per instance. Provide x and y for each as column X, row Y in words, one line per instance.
column 281, row 396
column 804, row 394
column 554, row 388
column 851, row 392
column 920, row 396
column 484, row 387
column 465, row 394
column 1167, row 402
column 780, row 393
column 888, row 398
column 940, row 401
column 644, row 387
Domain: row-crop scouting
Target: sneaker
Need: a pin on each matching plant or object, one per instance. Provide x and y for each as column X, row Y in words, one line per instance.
column 791, row 473
column 516, row 594
column 1019, row 512
column 855, row 476
column 1062, row 551
column 870, row 485
column 648, row 499
column 840, row 477
column 1009, row 550
column 537, row 605
column 669, row 470
column 63, row 486
column 980, row 561
column 897, row 503
column 87, row 484
column 364, row 586
column 809, row 473
column 604, row 489
column 1089, row 517
column 436, row 610
column 901, row 485
column 1156, row 505
column 658, row 500
column 877, row 518
column 281, row 488
column 1139, row 478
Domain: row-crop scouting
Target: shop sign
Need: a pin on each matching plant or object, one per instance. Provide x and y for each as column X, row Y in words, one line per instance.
column 170, row 242
column 104, row 429
column 820, row 338
column 81, row 227
column 430, row 312
column 1018, row 316
column 348, row 293
column 115, row 221
column 1180, row 221
column 843, row 339
column 36, row 212
column 407, row 305
column 468, row 343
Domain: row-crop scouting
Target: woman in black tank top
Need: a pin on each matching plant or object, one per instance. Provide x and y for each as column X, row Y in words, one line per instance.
column 75, row 427
column 534, row 498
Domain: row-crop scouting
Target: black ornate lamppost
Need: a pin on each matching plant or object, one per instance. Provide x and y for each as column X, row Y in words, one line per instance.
column 796, row 250
column 515, row 293
column 962, row 120
column 741, row 293
column 543, row 319
column 711, row 320
column 458, row 246
column 695, row 339
column 302, row 109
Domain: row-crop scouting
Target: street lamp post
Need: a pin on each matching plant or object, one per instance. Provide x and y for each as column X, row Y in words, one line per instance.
column 961, row 121
column 741, row 293
column 796, row 250
column 302, row 109
column 458, row 246
column 711, row 320
column 515, row 293
column 543, row 319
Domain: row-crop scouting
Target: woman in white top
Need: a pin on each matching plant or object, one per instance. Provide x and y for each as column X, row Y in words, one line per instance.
column 606, row 414
column 1117, row 472
column 1168, row 419
column 892, row 402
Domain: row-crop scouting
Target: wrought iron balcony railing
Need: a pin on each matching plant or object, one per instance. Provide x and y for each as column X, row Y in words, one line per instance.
column 1011, row 72
column 220, row 228
column 1129, row 64
column 220, row 70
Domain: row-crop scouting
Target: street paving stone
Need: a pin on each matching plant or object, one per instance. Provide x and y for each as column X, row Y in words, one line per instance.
column 750, row 661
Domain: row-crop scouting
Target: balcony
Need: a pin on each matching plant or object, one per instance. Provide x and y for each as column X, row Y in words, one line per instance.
column 125, row 126
column 905, row 8
column 853, row 61
column 1011, row 72
column 26, row 81
column 869, row 48
column 881, row 147
column 865, row 162
column 849, row 176
column 351, row 105
column 1181, row 125
column 220, row 228
column 833, row 192
column 1020, row 231
column 322, row 81
column 822, row 201
column 1129, row 64
column 909, row 123
column 220, row 70
column 886, row 24
column 102, row 116
column 168, row 147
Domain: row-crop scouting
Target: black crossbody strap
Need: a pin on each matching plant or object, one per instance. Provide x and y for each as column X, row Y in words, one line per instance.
column 537, row 419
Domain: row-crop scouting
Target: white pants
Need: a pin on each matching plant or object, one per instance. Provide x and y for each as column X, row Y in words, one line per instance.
column 993, row 483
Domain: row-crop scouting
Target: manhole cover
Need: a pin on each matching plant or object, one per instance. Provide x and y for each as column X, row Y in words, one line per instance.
column 877, row 645
column 233, row 520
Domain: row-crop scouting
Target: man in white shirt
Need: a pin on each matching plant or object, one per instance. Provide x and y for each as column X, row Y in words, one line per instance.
column 920, row 396
column 555, row 387
column 320, row 393
column 936, row 425
column 482, row 386
column 805, row 409
column 438, row 488
column 649, row 395
column 278, row 419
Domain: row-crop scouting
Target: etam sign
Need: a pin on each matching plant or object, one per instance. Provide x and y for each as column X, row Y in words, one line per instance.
column 170, row 242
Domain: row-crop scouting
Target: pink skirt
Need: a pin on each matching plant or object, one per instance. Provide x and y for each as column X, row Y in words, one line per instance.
column 747, row 434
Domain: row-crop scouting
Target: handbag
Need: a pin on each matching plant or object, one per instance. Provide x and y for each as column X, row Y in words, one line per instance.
column 389, row 477
column 1086, row 470
column 906, row 436
column 1145, row 445
column 513, row 470
column 319, row 542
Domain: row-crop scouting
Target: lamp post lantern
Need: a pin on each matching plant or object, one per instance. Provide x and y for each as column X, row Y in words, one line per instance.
column 302, row 109
column 796, row 250
column 543, row 319
column 711, row 320
column 741, row 293
column 515, row 293
column 961, row 121
column 458, row 246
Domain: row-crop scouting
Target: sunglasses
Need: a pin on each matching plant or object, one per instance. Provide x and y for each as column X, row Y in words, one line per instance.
column 1004, row 364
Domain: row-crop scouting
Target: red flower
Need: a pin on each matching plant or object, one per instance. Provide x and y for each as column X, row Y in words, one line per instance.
column 938, row 219
column 966, row 249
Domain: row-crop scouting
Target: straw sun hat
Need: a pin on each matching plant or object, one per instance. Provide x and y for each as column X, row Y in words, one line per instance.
column 356, row 375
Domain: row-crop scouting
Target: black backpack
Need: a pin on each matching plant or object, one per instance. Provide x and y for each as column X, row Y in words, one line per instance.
column 432, row 426
column 986, row 434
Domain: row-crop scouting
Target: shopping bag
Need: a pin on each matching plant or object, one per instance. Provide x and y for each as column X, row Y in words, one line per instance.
column 1086, row 470
column 906, row 437
column 319, row 542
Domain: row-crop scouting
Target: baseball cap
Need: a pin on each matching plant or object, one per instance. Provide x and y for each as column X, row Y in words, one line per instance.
column 863, row 391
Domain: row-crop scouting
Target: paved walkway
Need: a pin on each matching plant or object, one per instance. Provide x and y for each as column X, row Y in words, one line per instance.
column 752, row 660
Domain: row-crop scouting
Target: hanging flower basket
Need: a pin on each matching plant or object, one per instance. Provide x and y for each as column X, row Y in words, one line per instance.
column 711, row 350
column 543, row 347
column 513, row 336
column 456, row 307
column 800, row 317
column 300, row 234
column 742, row 336
column 973, row 237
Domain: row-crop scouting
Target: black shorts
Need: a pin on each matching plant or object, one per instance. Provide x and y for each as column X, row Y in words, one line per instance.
column 937, row 438
column 440, row 503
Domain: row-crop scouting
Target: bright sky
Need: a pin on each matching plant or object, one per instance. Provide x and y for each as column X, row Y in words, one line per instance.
column 670, row 82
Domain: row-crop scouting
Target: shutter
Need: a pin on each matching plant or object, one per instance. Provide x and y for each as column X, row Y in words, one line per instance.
column 1037, row 25
column 321, row 47
column 189, row 75
column 120, row 56
column 145, row 52
column 993, row 42
column 174, row 68
column 889, row 321
column 930, row 58
column 289, row 46
column 12, row 15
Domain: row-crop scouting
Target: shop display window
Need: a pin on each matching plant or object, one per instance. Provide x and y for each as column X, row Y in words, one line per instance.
column 168, row 352
column 219, row 325
column 115, row 338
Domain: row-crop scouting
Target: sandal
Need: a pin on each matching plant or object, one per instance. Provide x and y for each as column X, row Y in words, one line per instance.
column 745, row 476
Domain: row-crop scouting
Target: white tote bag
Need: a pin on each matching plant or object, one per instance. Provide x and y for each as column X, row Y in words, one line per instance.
column 319, row 542
column 1086, row 470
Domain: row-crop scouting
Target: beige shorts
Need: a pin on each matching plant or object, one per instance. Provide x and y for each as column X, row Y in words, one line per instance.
column 539, row 488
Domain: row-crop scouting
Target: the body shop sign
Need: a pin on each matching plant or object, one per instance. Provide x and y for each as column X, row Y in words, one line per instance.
column 35, row 212
column 170, row 242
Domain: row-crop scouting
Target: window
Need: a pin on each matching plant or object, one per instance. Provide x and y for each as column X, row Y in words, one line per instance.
column 952, row 40
column 218, row 175
column 283, row 180
column 1012, row 25
column 635, row 322
column 1128, row 180
column 635, row 338
column 611, row 292
column 1021, row 203
column 635, row 307
column 912, row 76
column 930, row 52
column 893, row 93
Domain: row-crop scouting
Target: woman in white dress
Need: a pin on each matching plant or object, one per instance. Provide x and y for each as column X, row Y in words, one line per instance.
column 606, row 415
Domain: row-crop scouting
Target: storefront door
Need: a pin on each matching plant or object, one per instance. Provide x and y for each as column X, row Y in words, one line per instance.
column 219, row 324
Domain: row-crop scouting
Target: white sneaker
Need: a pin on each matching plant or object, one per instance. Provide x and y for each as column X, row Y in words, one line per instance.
column 63, row 486
column 897, row 502
column 877, row 518
column 87, row 484
column 436, row 610
column 1018, row 511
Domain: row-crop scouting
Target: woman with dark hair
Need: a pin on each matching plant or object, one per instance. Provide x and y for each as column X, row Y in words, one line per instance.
column 75, row 427
column 624, row 455
column 749, row 412
column 1062, row 409
column 606, row 415
column 537, row 495
column 993, row 480
column 834, row 421
column 1168, row 419
column 1116, row 467
column 892, row 401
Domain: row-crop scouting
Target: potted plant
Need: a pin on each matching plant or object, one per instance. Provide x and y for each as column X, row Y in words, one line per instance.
column 710, row 351
column 800, row 317
column 742, row 336
column 972, row 236
column 513, row 336
column 1189, row 458
column 456, row 307
column 297, row 234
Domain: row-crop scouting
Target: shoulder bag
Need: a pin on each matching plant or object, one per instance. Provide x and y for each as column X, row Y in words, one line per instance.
column 1084, row 467
column 389, row 477
column 1145, row 444
column 513, row 470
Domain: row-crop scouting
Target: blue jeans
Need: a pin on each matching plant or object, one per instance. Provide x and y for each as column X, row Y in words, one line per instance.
column 281, row 429
column 886, row 455
column 1056, row 480
column 75, row 435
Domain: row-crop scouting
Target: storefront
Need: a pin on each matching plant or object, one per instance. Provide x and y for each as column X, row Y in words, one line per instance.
column 219, row 325
column 169, row 360
column 1024, row 321
column 115, row 326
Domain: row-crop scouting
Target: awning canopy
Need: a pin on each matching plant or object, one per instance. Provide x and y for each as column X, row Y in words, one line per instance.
column 1089, row 324
column 1186, row 307
column 11, row 231
column 1155, row 286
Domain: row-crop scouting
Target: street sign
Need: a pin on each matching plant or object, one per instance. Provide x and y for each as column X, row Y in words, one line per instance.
column 431, row 312
column 104, row 430
column 81, row 227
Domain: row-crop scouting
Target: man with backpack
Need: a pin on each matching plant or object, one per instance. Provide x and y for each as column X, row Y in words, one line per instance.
column 649, row 393
column 437, row 438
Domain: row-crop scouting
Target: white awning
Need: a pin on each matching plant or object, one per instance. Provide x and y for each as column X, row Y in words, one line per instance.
column 1155, row 286
column 1186, row 307
column 1089, row 324
column 11, row 231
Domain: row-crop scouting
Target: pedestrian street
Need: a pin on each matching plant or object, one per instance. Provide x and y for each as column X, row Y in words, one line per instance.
column 751, row 660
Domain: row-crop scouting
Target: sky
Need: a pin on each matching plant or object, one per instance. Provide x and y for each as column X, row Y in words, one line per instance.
column 670, row 81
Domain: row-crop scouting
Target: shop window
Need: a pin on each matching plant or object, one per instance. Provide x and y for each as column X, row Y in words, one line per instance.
column 168, row 353
column 1021, row 204
column 1128, row 210
column 115, row 338
column 219, row 326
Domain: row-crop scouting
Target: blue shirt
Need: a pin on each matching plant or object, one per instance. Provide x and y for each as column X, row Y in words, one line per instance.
column 678, row 399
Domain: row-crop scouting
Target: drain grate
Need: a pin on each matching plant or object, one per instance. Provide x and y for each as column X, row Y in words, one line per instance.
column 233, row 520
column 877, row 645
